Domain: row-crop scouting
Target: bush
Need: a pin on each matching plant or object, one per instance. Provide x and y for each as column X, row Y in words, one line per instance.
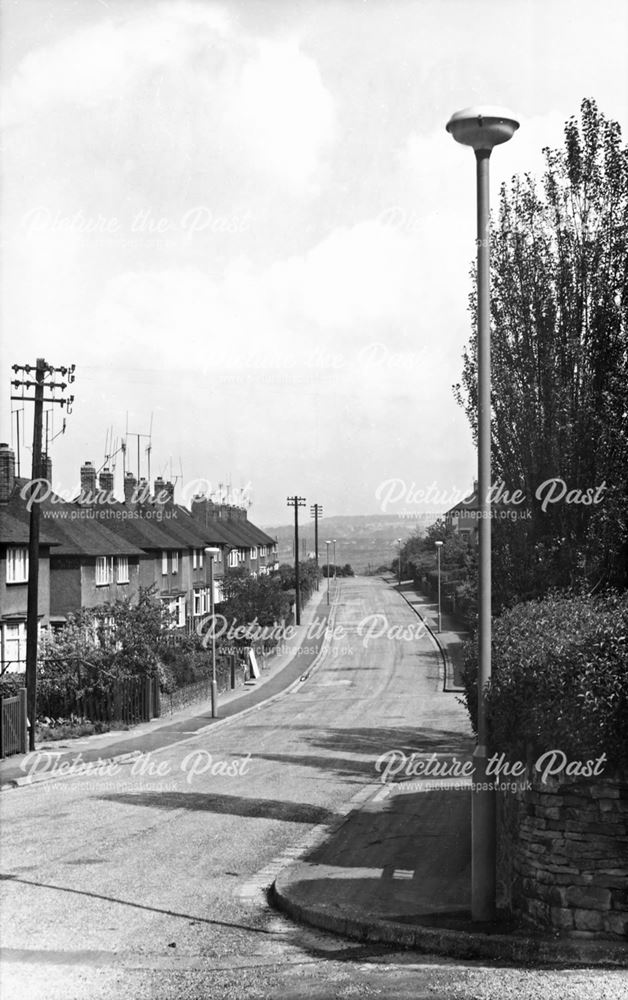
column 10, row 684
column 559, row 678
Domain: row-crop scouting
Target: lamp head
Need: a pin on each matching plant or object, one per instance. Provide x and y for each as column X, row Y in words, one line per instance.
column 438, row 544
column 482, row 126
column 211, row 550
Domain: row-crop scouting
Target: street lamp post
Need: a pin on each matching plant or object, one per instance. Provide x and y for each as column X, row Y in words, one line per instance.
column 211, row 552
column 334, row 542
column 399, row 563
column 439, row 546
column 328, row 543
column 482, row 128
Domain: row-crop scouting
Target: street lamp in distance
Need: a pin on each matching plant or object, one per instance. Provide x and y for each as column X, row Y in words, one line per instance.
column 439, row 546
column 482, row 128
column 210, row 552
column 328, row 543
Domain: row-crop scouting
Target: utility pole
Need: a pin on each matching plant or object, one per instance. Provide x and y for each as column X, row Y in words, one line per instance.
column 296, row 502
column 316, row 511
column 40, row 385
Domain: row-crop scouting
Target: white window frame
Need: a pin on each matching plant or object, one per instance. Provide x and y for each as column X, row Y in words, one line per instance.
column 200, row 558
column 164, row 563
column 193, row 558
column 17, row 642
column 175, row 562
column 122, row 575
column 254, row 552
column 233, row 558
column 17, row 564
column 104, row 571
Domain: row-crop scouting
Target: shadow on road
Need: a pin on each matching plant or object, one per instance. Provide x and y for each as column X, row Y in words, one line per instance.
column 236, row 805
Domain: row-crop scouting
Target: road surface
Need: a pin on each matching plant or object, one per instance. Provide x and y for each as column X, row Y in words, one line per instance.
column 133, row 884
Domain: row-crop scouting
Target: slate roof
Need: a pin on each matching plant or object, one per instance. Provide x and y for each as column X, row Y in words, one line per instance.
column 70, row 534
column 14, row 531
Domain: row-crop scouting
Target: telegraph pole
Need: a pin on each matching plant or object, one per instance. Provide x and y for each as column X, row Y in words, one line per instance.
column 296, row 502
column 40, row 385
column 316, row 511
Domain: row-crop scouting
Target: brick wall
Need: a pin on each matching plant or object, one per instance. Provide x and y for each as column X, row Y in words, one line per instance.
column 563, row 856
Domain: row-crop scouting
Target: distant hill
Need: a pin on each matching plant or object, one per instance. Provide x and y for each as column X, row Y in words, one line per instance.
column 363, row 540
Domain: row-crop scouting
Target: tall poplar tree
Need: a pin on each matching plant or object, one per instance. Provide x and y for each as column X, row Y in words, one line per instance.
column 559, row 272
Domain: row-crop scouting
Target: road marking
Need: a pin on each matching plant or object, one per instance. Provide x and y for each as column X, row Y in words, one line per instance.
column 403, row 873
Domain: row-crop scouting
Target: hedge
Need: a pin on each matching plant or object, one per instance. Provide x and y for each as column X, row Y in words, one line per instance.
column 559, row 678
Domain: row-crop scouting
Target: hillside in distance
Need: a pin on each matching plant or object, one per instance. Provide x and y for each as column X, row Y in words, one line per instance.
column 365, row 541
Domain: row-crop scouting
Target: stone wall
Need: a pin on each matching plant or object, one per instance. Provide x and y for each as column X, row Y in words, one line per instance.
column 563, row 856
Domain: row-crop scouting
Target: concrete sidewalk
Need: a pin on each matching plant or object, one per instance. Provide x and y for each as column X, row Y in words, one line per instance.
column 450, row 640
column 397, row 871
column 280, row 672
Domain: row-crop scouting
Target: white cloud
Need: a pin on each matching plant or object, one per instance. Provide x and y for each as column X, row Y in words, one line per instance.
column 176, row 84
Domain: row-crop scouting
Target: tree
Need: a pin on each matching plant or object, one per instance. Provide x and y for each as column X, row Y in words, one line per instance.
column 559, row 276
column 247, row 598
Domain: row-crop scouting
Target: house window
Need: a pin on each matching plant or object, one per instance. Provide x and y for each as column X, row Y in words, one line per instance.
column 254, row 552
column 104, row 570
column 200, row 558
column 199, row 602
column 17, row 564
column 14, row 646
column 164, row 563
column 241, row 555
column 175, row 562
column 193, row 558
column 181, row 612
column 123, row 569
column 219, row 556
column 233, row 558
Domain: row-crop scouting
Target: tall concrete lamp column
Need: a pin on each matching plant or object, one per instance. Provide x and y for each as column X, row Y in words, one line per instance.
column 210, row 553
column 439, row 546
column 482, row 128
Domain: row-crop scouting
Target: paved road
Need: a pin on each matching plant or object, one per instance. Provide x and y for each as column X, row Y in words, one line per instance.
column 132, row 885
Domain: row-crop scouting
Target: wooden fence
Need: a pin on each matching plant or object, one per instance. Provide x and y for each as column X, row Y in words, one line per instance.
column 129, row 700
column 13, row 727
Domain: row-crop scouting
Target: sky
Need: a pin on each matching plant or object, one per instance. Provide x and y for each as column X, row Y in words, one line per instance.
column 246, row 225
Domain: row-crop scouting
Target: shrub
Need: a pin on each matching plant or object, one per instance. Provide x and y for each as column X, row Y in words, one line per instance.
column 559, row 678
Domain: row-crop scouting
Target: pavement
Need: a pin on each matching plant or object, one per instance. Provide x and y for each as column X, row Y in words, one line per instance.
column 397, row 868
column 279, row 673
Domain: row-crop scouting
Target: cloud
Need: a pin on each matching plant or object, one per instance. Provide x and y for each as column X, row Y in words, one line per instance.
column 177, row 84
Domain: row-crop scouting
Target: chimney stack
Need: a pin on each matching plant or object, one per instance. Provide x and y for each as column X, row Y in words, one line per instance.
column 130, row 484
column 7, row 472
column 105, row 483
column 88, row 482
column 46, row 467
column 169, row 490
column 159, row 488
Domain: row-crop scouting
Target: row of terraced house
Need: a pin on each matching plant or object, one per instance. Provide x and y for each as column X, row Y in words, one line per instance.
column 97, row 549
